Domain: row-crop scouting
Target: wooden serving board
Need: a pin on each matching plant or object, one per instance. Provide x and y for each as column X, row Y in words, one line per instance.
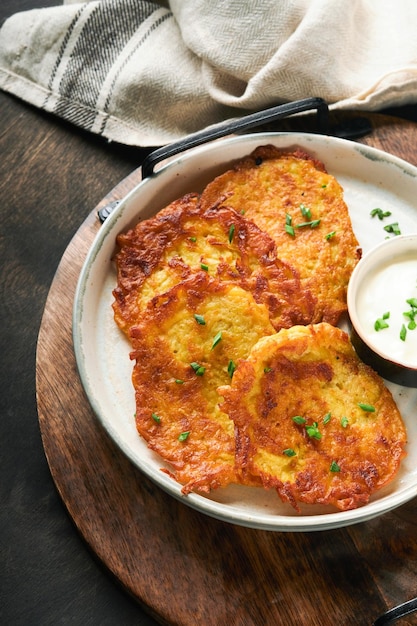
column 183, row 567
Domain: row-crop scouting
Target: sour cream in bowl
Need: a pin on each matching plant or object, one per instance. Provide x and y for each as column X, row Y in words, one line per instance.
column 382, row 305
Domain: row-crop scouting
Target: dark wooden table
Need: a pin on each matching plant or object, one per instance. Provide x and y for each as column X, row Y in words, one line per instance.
column 52, row 178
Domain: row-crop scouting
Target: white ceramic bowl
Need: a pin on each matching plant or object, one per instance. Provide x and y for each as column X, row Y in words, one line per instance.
column 382, row 303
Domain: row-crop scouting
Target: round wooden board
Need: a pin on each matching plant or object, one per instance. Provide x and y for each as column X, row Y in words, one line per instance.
column 184, row 567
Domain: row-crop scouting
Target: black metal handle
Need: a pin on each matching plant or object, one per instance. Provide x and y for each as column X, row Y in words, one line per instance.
column 398, row 611
column 236, row 125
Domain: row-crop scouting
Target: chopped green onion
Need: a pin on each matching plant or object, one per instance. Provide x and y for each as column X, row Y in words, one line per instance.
column 289, row 452
column 288, row 225
column 313, row 431
column 403, row 332
column 380, row 323
column 393, row 228
column 156, row 418
column 179, row 381
column 380, row 214
column 330, row 235
column 193, row 239
column 299, row 420
column 231, row 368
column 344, row 422
column 334, row 467
column 198, row 369
column 231, row 233
column 412, row 314
column 267, row 369
column 312, row 224
column 369, row 408
column 216, row 339
column 327, row 418
column 199, row 319
column 204, row 267
column 183, row 436
column 305, row 211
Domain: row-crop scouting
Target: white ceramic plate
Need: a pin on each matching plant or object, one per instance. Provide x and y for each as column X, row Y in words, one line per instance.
column 371, row 179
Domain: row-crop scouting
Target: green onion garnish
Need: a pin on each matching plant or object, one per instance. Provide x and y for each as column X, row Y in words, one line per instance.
column 403, row 332
column 411, row 314
column 183, row 436
column 313, row 431
column 198, row 369
column 298, row 419
column 312, row 224
column 393, row 228
column 334, row 467
column 369, row 408
column 156, row 418
column 231, row 368
column 380, row 323
column 216, row 339
column 289, row 452
column 288, row 225
column 327, row 418
column 380, row 214
column 305, row 211
column 199, row 319
column 231, row 233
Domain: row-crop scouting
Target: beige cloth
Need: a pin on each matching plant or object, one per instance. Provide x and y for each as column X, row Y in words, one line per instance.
column 147, row 73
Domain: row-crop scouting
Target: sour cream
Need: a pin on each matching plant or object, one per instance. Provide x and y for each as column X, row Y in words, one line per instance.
column 382, row 295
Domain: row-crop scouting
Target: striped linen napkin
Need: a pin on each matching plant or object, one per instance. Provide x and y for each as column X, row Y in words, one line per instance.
column 147, row 73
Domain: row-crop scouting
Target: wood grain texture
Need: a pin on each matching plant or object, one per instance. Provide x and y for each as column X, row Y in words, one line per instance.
column 184, row 567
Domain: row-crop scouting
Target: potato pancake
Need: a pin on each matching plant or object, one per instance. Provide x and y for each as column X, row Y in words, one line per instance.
column 312, row 420
column 292, row 198
column 187, row 344
column 162, row 251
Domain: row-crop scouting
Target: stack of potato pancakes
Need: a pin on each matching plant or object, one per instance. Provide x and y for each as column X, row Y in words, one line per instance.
column 230, row 299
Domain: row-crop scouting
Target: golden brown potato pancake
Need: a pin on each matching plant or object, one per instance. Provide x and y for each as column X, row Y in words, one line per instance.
column 162, row 251
column 301, row 206
column 312, row 420
column 185, row 346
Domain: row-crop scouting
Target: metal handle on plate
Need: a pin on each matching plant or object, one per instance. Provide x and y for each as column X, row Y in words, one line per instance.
column 236, row 125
